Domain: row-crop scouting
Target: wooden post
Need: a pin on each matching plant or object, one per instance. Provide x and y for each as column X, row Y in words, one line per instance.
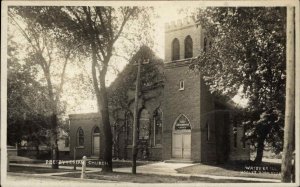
column 75, row 158
column 83, row 163
column 289, row 121
column 136, row 108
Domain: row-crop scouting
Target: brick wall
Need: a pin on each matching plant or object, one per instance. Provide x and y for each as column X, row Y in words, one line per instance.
column 87, row 122
column 178, row 102
column 222, row 124
column 180, row 30
column 207, row 121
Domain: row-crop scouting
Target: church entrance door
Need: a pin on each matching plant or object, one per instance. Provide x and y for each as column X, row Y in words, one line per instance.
column 96, row 142
column 181, row 141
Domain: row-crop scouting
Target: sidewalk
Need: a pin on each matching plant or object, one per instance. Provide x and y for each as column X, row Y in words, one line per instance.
column 159, row 168
column 162, row 168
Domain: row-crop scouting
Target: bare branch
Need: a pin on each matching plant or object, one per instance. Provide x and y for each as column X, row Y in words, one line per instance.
column 79, row 20
column 22, row 30
column 62, row 77
column 127, row 15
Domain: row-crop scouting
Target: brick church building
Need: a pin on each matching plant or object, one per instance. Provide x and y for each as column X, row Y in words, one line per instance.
column 180, row 120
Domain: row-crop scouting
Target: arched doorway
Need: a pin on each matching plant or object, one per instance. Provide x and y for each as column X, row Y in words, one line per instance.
column 96, row 141
column 181, row 139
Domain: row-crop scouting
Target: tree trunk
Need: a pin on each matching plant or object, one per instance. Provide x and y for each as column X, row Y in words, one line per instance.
column 106, row 128
column 54, row 146
column 259, row 150
column 53, row 119
column 289, row 121
column 263, row 131
column 102, row 102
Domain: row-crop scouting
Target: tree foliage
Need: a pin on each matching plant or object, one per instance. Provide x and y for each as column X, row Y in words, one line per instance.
column 120, row 92
column 27, row 102
column 98, row 29
column 151, row 78
column 49, row 51
column 246, row 53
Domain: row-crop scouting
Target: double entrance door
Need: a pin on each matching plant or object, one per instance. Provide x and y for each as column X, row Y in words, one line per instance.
column 181, row 145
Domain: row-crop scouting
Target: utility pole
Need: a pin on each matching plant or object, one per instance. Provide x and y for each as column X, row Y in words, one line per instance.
column 289, row 121
column 135, row 116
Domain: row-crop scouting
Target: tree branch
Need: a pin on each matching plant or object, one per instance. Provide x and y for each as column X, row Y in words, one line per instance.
column 126, row 18
column 62, row 77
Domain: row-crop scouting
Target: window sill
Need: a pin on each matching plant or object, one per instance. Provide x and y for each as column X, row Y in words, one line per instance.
column 80, row 147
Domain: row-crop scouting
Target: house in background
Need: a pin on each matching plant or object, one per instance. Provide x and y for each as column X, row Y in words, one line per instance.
column 63, row 144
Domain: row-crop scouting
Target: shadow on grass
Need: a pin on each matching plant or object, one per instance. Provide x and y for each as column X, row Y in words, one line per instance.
column 246, row 165
column 235, row 169
column 36, row 170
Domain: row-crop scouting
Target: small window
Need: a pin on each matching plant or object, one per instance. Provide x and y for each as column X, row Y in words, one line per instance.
column 80, row 137
column 181, row 85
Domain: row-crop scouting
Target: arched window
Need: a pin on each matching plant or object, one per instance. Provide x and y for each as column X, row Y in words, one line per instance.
column 80, row 137
column 157, row 118
column 144, row 125
column 188, row 47
column 96, row 130
column 128, row 126
column 182, row 123
column 175, row 49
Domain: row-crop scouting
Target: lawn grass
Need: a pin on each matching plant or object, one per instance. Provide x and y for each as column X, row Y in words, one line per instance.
column 150, row 178
column 36, row 170
column 233, row 169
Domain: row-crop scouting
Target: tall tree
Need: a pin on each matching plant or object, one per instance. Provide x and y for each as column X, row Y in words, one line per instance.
column 245, row 53
column 27, row 102
column 48, row 52
column 98, row 29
